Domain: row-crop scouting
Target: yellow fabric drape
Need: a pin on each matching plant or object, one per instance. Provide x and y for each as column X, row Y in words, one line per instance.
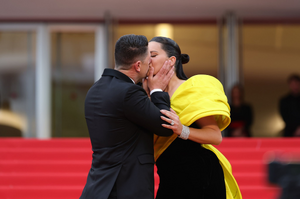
column 198, row 97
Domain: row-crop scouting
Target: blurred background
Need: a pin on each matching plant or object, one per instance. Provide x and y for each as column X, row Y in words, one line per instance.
column 51, row 52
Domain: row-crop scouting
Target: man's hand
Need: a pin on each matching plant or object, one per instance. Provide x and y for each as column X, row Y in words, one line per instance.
column 162, row 78
column 145, row 86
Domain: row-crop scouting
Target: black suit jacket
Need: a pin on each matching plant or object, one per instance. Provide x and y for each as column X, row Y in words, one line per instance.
column 121, row 121
column 290, row 112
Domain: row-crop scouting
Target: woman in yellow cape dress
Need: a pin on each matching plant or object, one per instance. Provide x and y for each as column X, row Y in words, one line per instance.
column 197, row 101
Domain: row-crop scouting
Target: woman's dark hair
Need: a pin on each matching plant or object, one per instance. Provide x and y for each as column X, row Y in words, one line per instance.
column 172, row 49
column 130, row 48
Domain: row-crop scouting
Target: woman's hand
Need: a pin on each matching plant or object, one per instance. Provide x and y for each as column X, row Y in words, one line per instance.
column 173, row 120
column 162, row 78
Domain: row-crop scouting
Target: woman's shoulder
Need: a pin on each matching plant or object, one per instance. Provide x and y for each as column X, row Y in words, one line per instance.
column 204, row 85
column 203, row 80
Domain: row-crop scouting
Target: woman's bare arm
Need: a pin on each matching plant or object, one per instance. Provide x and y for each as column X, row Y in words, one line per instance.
column 208, row 132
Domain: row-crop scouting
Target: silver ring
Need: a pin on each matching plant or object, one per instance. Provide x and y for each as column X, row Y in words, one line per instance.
column 172, row 123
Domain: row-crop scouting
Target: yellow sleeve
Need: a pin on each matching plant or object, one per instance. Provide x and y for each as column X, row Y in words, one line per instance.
column 201, row 96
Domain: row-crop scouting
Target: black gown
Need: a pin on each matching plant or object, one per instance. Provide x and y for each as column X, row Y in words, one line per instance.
column 189, row 171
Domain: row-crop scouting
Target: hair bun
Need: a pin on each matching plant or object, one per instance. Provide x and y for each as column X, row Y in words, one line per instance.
column 185, row 58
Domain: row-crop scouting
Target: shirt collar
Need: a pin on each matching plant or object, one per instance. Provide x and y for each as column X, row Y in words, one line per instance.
column 132, row 80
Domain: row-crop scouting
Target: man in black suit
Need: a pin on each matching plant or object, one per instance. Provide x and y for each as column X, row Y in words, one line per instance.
column 290, row 108
column 121, row 121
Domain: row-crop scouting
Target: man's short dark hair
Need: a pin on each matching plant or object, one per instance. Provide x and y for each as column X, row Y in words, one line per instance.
column 129, row 49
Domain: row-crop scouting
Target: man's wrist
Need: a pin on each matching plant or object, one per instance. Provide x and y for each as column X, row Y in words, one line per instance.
column 155, row 90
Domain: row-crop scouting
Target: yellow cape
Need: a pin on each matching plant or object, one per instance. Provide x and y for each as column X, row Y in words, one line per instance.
column 201, row 96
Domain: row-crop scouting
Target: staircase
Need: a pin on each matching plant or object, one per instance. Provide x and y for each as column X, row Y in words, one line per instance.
column 43, row 169
column 57, row 168
column 249, row 158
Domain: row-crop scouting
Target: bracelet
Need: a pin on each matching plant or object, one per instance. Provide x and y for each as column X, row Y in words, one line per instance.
column 184, row 133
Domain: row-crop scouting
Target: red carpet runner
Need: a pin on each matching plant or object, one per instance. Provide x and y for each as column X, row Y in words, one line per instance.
column 57, row 168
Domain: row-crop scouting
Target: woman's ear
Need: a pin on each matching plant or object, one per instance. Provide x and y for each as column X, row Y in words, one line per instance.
column 173, row 60
column 137, row 66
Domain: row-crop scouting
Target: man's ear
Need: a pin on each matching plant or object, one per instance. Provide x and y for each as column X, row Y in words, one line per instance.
column 137, row 66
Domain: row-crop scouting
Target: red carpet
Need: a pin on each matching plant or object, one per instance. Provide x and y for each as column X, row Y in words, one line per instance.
column 57, row 168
